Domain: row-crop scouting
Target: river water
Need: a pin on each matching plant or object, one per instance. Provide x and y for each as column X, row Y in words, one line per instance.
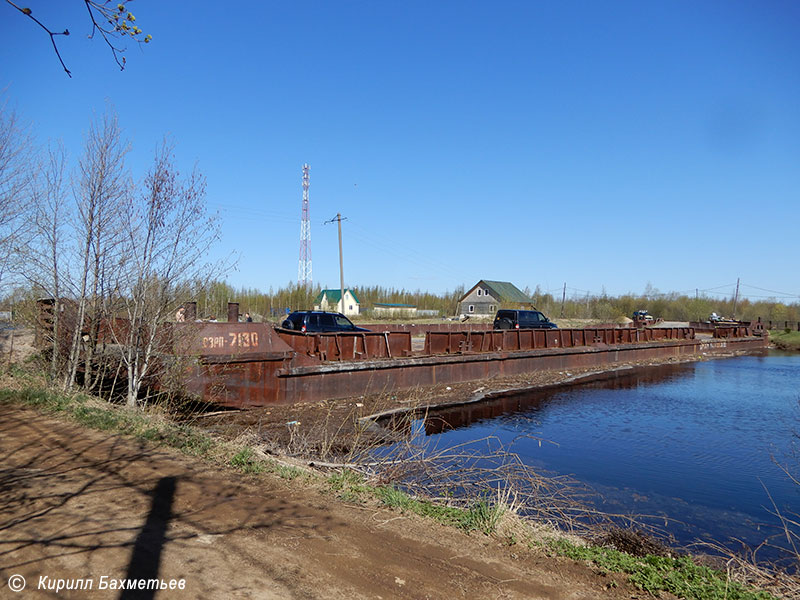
column 697, row 444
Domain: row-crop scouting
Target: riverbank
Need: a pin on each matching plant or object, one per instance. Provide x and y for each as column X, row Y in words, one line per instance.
column 86, row 504
column 168, row 503
column 783, row 340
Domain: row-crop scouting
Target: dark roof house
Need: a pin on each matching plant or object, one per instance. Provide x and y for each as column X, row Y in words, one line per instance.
column 486, row 297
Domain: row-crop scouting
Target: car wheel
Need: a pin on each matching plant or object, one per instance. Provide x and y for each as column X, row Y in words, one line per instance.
column 287, row 324
column 504, row 324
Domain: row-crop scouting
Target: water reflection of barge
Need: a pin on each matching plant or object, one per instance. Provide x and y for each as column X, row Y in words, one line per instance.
column 255, row 364
column 484, row 407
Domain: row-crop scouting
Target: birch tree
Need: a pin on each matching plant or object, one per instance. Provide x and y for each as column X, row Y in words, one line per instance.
column 44, row 260
column 101, row 191
column 16, row 154
column 169, row 235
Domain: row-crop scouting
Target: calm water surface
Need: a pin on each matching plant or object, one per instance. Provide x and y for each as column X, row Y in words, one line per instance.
column 697, row 442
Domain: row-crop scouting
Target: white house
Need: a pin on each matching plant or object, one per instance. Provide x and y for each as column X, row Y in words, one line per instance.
column 329, row 300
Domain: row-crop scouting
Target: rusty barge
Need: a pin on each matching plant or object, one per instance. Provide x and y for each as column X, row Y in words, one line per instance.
column 257, row 364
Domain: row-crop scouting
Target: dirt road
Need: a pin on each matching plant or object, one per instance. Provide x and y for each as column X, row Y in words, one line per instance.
column 84, row 508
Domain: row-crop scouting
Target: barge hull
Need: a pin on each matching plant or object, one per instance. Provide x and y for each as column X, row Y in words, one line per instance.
column 250, row 381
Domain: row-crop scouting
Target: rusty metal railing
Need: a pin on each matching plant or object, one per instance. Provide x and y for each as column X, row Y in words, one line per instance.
column 365, row 345
column 423, row 328
column 459, row 342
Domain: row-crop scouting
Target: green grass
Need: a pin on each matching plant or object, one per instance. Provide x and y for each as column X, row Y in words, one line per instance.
column 786, row 340
column 290, row 473
column 141, row 425
column 480, row 516
column 245, row 461
column 138, row 424
column 654, row 574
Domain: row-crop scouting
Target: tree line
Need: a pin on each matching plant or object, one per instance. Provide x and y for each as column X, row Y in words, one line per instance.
column 272, row 305
column 212, row 299
column 669, row 306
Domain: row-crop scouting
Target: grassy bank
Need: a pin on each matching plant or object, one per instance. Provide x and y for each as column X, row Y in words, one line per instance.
column 490, row 515
column 785, row 340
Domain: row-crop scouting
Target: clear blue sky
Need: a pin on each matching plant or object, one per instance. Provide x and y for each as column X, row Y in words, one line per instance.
column 607, row 145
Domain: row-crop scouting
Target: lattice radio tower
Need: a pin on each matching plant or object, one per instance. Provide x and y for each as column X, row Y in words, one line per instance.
column 304, row 267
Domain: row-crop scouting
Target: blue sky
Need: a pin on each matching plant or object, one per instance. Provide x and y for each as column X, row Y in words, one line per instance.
column 608, row 145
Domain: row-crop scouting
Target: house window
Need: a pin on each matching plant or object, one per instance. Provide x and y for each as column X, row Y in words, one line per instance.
column 471, row 308
column 480, row 291
column 491, row 308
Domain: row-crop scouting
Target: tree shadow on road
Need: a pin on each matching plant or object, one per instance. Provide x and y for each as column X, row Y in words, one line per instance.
column 72, row 499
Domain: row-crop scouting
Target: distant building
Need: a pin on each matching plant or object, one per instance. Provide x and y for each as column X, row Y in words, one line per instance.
column 486, row 297
column 329, row 300
column 384, row 309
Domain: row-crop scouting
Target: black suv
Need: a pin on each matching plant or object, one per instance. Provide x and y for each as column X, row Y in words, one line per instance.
column 315, row 321
column 522, row 319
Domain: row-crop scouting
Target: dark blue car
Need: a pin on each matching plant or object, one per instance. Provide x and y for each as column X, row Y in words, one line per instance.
column 522, row 319
column 317, row 321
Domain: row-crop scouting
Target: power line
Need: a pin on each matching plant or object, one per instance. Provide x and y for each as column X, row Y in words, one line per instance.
column 248, row 212
column 404, row 252
column 786, row 294
column 719, row 287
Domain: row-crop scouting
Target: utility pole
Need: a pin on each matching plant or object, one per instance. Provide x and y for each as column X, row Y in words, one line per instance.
column 341, row 264
column 736, row 298
column 563, row 298
column 338, row 218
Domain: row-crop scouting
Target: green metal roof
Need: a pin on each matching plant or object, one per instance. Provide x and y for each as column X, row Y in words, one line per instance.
column 335, row 296
column 505, row 291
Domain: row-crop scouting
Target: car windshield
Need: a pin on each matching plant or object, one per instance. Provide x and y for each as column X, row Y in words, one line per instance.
column 343, row 322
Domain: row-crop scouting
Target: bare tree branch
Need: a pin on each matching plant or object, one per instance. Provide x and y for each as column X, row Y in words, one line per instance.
column 109, row 18
column 27, row 12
